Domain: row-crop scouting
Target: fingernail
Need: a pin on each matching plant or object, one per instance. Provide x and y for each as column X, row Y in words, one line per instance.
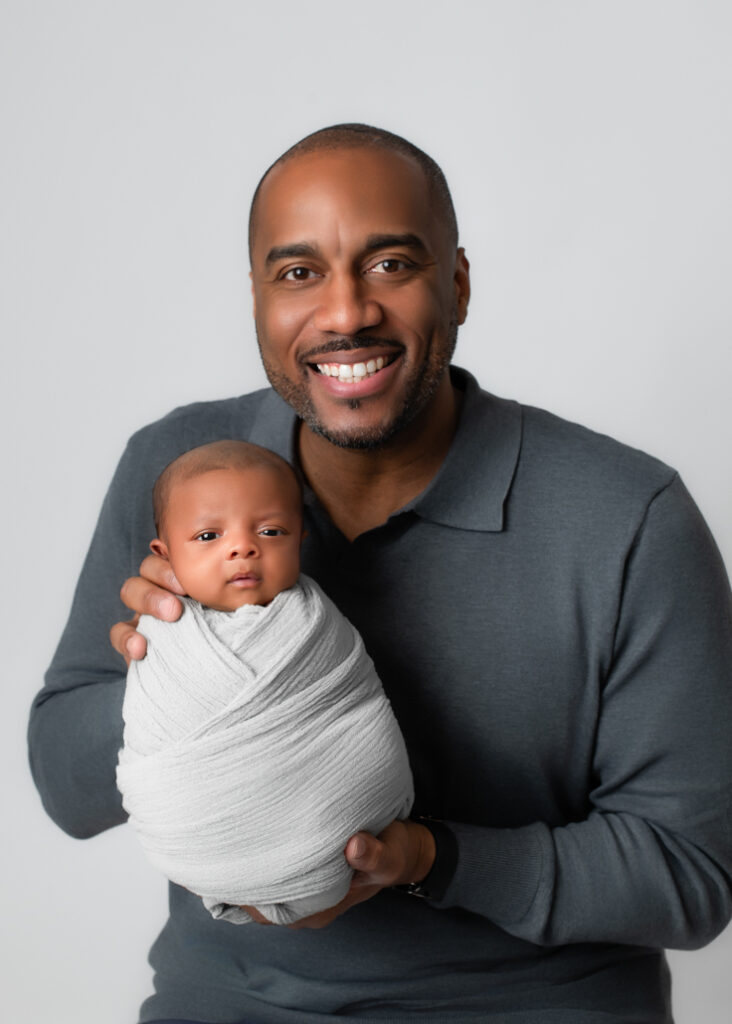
column 175, row 585
column 168, row 607
column 358, row 849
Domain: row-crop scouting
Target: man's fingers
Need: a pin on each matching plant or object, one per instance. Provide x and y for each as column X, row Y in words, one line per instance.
column 403, row 852
column 146, row 594
column 127, row 641
column 157, row 570
column 256, row 916
column 369, row 857
column 148, row 599
column 356, row 894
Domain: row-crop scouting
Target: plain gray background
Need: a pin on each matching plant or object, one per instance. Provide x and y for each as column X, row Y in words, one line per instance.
column 589, row 150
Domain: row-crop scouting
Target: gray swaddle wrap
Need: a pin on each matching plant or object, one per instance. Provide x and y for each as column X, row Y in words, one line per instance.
column 256, row 743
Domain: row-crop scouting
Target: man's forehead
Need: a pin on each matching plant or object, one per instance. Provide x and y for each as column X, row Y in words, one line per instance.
column 388, row 190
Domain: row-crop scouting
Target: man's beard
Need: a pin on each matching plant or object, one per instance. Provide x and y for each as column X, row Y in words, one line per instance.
column 421, row 385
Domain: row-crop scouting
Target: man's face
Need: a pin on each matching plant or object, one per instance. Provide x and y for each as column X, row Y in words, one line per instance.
column 358, row 291
column 232, row 536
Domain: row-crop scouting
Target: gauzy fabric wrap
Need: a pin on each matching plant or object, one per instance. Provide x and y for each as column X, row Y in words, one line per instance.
column 256, row 742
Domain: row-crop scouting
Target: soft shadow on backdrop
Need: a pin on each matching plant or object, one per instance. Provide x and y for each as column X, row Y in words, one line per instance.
column 589, row 150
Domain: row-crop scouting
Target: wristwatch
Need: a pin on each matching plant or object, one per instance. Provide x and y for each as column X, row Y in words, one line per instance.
column 434, row 885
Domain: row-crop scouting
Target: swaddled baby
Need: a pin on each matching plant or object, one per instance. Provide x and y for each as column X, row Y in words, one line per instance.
column 257, row 736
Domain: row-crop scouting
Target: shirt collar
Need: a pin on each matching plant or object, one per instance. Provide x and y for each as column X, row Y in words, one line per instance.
column 274, row 427
column 470, row 489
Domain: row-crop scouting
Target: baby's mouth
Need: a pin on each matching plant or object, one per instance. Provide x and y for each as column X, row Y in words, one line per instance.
column 244, row 578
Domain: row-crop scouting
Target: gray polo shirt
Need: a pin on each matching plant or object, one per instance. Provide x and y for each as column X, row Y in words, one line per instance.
column 553, row 625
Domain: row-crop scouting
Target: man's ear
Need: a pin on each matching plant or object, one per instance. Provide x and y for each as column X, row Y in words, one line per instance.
column 158, row 548
column 254, row 297
column 462, row 285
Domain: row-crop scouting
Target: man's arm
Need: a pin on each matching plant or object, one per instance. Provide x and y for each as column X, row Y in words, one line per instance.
column 75, row 729
column 651, row 864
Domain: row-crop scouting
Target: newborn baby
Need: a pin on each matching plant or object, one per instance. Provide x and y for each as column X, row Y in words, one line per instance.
column 257, row 736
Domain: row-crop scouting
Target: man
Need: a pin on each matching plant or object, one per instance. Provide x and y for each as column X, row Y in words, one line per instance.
column 545, row 607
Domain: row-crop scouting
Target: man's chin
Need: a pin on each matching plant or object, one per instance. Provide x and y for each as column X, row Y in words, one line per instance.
column 357, row 439
column 364, row 436
column 358, row 425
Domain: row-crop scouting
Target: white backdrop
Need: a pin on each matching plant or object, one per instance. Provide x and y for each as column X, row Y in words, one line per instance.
column 589, row 149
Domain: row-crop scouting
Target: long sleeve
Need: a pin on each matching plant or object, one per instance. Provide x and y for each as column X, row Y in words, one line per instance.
column 651, row 864
column 75, row 727
column 75, row 730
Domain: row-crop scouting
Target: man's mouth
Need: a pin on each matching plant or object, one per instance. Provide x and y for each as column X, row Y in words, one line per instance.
column 353, row 373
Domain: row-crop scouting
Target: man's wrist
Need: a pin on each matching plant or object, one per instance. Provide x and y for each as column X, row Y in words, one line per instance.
column 427, row 852
column 440, row 867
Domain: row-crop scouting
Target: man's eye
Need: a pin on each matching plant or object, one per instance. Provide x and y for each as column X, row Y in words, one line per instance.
column 207, row 535
column 388, row 266
column 298, row 274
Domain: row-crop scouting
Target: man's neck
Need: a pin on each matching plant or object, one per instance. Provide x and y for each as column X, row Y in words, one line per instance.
column 361, row 489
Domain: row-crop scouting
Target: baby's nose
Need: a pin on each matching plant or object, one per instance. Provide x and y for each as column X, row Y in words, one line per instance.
column 243, row 546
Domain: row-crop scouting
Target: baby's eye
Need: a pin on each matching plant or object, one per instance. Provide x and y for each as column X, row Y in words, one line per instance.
column 271, row 531
column 207, row 535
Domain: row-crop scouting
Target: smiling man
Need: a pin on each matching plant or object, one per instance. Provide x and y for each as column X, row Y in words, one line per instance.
column 357, row 317
column 545, row 607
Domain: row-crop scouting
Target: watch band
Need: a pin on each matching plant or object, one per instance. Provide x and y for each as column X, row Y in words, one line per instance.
column 434, row 885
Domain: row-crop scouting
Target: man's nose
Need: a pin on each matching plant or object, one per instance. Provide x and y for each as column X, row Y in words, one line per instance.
column 347, row 305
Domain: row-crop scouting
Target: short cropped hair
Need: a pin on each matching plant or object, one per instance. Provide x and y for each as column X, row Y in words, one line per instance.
column 217, row 455
column 357, row 136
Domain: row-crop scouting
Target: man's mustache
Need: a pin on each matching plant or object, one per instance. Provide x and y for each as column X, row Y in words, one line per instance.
column 346, row 344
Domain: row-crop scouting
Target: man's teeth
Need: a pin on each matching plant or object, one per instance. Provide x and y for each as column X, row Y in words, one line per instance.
column 352, row 372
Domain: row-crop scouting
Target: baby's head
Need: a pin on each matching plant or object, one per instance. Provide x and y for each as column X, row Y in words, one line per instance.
column 228, row 517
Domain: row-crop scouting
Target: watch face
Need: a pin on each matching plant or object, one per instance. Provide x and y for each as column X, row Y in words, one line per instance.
column 413, row 889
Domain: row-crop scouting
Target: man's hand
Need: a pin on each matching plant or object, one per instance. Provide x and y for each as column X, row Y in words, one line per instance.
column 150, row 593
column 403, row 853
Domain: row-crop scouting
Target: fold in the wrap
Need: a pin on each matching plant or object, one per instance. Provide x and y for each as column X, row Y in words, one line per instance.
column 256, row 743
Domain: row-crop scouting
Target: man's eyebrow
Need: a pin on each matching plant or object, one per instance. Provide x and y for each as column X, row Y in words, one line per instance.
column 386, row 241
column 296, row 250
column 286, row 252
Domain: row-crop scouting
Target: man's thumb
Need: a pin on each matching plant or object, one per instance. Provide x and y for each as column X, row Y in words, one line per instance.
column 358, row 852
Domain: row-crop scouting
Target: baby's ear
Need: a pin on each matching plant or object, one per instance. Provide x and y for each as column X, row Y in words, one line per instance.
column 304, row 535
column 158, row 548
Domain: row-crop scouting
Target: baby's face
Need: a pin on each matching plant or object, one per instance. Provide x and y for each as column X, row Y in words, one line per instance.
column 232, row 536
